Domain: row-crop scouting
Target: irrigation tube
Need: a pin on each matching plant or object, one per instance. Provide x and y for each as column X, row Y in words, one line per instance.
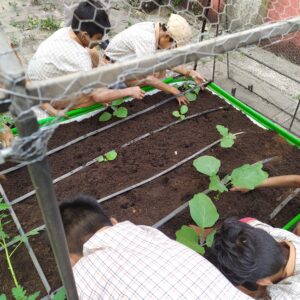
column 19, row 166
column 161, row 173
column 76, row 170
column 26, row 242
column 178, row 210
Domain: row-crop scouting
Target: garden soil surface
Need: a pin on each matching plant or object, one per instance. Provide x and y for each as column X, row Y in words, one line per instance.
column 141, row 160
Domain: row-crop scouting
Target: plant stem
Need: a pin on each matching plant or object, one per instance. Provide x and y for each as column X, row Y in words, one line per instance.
column 10, row 267
column 11, row 254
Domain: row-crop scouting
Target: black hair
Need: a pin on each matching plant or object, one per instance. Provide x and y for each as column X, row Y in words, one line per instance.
column 82, row 217
column 245, row 254
column 90, row 16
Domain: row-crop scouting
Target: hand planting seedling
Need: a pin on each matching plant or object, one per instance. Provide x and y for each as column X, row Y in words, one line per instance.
column 181, row 112
column 192, row 95
column 18, row 292
column 227, row 137
column 118, row 111
column 109, row 156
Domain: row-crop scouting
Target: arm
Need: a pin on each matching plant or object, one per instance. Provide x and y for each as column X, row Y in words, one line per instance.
column 6, row 136
column 48, row 108
column 277, row 181
column 199, row 79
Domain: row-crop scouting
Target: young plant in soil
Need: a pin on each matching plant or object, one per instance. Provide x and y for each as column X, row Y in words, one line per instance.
column 192, row 95
column 203, row 210
column 227, row 137
column 180, row 114
column 120, row 112
column 109, row 156
column 18, row 291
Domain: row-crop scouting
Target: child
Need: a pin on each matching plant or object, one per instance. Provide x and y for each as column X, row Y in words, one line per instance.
column 146, row 38
column 123, row 261
column 258, row 257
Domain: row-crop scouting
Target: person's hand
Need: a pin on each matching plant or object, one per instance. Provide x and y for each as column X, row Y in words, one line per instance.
column 239, row 189
column 137, row 93
column 182, row 100
column 198, row 78
column 6, row 136
column 297, row 229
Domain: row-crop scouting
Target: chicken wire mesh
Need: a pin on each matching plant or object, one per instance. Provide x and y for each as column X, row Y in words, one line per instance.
column 242, row 28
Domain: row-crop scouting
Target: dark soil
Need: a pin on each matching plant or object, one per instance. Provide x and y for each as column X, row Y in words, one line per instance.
column 151, row 202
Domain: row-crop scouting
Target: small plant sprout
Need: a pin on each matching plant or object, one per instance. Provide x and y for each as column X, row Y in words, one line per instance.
column 118, row 111
column 181, row 112
column 193, row 94
column 227, row 137
column 204, row 214
column 109, row 156
column 18, row 291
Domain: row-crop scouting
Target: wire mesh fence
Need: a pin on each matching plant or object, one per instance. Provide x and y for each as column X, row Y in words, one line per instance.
column 250, row 44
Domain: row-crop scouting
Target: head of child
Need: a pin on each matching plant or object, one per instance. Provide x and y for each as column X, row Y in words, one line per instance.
column 82, row 217
column 90, row 23
column 247, row 256
column 176, row 33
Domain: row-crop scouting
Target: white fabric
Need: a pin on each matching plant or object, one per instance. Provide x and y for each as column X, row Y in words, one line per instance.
column 289, row 288
column 58, row 55
column 137, row 40
column 139, row 262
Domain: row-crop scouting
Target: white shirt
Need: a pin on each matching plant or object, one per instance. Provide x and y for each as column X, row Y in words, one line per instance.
column 289, row 288
column 58, row 55
column 139, row 262
column 137, row 40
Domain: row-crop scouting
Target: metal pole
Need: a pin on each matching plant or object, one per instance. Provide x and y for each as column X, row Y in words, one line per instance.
column 26, row 124
column 295, row 114
column 206, row 11
column 217, row 33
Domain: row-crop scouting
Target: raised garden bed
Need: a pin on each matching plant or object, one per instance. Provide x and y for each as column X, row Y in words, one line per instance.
column 143, row 159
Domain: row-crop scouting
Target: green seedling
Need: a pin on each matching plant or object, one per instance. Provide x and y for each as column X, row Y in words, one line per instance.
column 109, row 156
column 120, row 112
column 18, row 292
column 227, row 137
column 181, row 112
column 5, row 119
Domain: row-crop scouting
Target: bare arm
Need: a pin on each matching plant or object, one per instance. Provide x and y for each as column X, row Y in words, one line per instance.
column 199, row 79
column 6, row 136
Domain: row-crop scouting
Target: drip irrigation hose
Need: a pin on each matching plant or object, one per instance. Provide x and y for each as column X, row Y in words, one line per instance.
column 284, row 203
column 181, row 208
column 61, row 147
column 26, row 242
column 89, row 163
column 125, row 190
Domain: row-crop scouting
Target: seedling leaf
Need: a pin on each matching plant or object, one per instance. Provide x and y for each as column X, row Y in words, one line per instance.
column 18, row 293
column 3, row 297
column 227, row 142
column 106, row 116
column 33, row 296
column 222, row 130
column 176, row 114
column 111, row 155
column 207, row 165
column 216, row 184
column 210, row 238
column 191, row 96
column 248, row 176
column 4, row 206
column 121, row 112
column 188, row 237
column 203, row 211
column 100, row 158
column 184, row 109
column 197, row 90
column 117, row 102
column 182, row 117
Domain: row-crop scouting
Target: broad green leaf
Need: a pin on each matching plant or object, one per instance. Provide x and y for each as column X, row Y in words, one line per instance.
column 222, row 130
column 248, row 176
column 121, row 112
column 111, row 155
column 60, row 295
column 100, row 158
column 184, row 109
column 210, row 238
column 227, row 142
column 176, row 114
column 207, row 165
column 3, row 297
column 117, row 102
column 203, row 211
column 18, row 293
column 216, row 184
column 4, row 206
column 188, row 237
column 191, row 96
column 19, row 238
column 33, row 296
column 182, row 117
column 106, row 116
column 197, row 90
